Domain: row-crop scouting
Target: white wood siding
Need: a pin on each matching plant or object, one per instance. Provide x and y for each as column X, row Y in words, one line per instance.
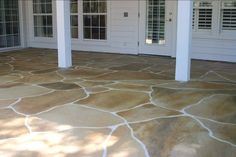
column 214, row 49
column 123, row 35
column 122, row 31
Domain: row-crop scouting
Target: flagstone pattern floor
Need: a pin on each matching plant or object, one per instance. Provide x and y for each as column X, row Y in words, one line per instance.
column 111, row 105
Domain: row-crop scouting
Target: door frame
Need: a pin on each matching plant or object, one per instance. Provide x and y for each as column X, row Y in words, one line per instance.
column 171, row 40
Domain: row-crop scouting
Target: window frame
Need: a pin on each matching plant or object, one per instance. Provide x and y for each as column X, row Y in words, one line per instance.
column 96, row 14
column 216, row 32
column 43, row 14
column 78, row 22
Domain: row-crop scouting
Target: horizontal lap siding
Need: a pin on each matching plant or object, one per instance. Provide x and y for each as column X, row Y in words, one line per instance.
column 122, row 31
column 214, row 49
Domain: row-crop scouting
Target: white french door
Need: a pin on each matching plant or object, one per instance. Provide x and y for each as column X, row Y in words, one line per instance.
column 157, row 27
column 9, row 24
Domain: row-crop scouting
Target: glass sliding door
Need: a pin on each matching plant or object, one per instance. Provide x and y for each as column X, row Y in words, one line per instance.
column 9, row 24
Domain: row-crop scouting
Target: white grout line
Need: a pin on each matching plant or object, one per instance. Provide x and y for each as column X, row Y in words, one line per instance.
column 210, row 133
column 17, row 111
column 223, row 77
column 113, row 129
column 138, row 106
column 134, row 137
column 27, row 124
column 200, row 101
column 214, row 121
column 211, row 71
column 126, row 123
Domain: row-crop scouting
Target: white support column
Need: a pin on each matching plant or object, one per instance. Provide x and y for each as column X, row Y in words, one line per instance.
column 63, row 33
column 184, row 40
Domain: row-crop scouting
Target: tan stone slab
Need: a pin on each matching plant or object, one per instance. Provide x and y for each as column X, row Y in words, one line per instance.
column 104, row 65
column 224, row 67
column 21, row 91
column 10, row 85
column 127, row 59
column 148, row 82
column 96, row 89
column 41, row 103
column 60, row 86
column 222, row 131
column 122, row 144
column 219, row 107
column 132, row 67
column 162, row 67
column 127, row 86
column 89, row 84
column 115, row 100
column 146, row 112
column 129, row 75
column 73, row 143
column 177, row 98
column 34, row 65
column 44, row 71
column 5, row 69
column 73, row 80
column 12, row 124
column 41, row 78
column 212, row 76
column 180, row 137
column 82, row 73
column 72, row 116
column 200, row 85
column 8, row 78
column 180, row 98
column 230, row 75
column 5, row 103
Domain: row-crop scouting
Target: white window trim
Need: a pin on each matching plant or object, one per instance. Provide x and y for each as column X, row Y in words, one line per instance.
column 97, row 41
column 30, row 18
column 216, row 32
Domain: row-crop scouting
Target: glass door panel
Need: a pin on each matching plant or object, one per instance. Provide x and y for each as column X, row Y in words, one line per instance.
column 9, row 24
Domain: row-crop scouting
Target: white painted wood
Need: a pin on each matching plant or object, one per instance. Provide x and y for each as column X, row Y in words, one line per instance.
column 23, row 27
column 63, row 34
column 123, row 33
column 184, row 38
column 168, row 49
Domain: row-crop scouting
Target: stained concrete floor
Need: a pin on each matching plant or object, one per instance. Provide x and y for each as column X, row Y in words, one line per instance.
column 110, row 105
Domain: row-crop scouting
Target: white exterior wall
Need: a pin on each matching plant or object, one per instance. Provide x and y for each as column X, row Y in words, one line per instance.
column 123, row 35
column 214, row 49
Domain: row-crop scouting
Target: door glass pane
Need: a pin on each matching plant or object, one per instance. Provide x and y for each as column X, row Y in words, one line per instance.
column 155, row 22
column 9, row 24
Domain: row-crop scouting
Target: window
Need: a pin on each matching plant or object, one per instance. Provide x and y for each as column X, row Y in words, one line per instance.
column 74, row 18
column 155, row 24
column 95, row 19
column 202, row 15
column 228, row 15
column 9, row 24
column 42, row 13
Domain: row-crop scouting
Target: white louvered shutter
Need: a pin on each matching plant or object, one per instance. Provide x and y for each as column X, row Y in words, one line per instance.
column 202, row 15
column 228, row 15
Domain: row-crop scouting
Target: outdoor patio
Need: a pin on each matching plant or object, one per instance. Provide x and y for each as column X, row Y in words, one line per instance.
column 111, row 105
